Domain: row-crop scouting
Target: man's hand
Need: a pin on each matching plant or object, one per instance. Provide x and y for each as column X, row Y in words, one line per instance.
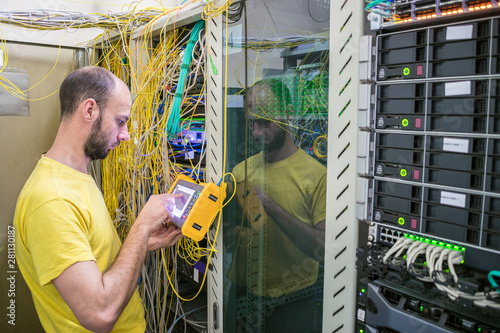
column 267, row 202
column 157, row 213
column 164, row 236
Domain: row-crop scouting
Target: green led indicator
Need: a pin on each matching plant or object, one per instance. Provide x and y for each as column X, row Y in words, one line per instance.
column 363, row 290
column 401, row 221
column 405, row 122
column 421, row 308
column 479, row 329
column 406, row 71
column 434, row 242
column 403, row 172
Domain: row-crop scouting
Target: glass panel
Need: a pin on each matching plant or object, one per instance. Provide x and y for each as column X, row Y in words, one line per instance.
column 276, row 144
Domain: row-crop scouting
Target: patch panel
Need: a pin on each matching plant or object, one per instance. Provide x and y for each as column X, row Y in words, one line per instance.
column 389, row 236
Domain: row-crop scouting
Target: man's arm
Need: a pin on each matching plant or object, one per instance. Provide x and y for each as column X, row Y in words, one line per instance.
column 97, row 299
column 310, row 240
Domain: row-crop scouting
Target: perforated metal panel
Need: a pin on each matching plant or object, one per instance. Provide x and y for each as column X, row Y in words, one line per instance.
column 341, row 223
column 214, row 167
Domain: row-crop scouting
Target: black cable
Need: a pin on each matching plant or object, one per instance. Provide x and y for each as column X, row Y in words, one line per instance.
column 235, row 11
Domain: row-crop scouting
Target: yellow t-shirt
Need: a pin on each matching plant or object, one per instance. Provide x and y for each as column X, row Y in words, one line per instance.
column 61, row 219
column 298, row 185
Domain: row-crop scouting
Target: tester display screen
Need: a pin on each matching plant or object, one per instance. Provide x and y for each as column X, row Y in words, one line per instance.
column 182, row 202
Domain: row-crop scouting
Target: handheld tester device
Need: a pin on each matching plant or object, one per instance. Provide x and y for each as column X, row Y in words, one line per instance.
column 196, row 210
column 251, row 204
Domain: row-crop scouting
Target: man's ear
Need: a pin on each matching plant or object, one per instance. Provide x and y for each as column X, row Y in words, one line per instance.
column 90, row 111
column 289, row 112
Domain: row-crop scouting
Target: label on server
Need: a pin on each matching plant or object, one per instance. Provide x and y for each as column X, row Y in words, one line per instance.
column 453, row 199
column 459, row 32
column 456, row 145
column 457, row 88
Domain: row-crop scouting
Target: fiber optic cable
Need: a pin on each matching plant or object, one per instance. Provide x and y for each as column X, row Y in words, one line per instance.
column 174, row 114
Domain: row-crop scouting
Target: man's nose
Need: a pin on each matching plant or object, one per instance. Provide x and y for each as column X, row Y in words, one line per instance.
column 124, row 135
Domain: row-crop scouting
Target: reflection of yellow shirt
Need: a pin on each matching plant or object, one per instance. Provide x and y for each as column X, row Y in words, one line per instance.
column 298, row 185
column 61, row 219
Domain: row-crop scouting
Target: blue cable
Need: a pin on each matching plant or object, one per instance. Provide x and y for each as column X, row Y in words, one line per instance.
column 161, row 108
column 185, row 314
column 176, row 145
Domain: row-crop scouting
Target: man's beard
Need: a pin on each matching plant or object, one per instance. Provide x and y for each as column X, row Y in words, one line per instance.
column 96, row 144
column 275, row 144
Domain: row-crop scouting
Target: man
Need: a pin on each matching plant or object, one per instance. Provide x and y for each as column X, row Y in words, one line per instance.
column 291, row 187
column 66, row 246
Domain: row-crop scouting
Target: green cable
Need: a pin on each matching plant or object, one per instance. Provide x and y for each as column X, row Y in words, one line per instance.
column 214, row 69
column 174, row 114
column 491, row 278
column 374, row 3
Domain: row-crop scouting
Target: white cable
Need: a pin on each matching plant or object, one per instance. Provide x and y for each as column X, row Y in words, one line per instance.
column 406, row 244
column 422, row 248
column 399, row 243
column 414, row 251
column 455, row 258
column 431, row 257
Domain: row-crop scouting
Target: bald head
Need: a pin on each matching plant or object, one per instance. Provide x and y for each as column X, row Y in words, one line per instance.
column 270, row 99
column 84, row 83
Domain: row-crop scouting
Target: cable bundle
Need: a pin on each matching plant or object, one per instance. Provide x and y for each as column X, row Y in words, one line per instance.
column 52, row 19
column 266, row 44
column 380, row 7
column 211, row 11
column 146, row 164
column 173, row 119
column 438, row 265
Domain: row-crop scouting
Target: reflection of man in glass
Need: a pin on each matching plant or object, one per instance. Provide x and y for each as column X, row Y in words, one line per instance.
column 289, row 228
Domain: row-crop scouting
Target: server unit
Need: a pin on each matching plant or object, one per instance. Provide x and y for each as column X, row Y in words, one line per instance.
column 429, row 186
